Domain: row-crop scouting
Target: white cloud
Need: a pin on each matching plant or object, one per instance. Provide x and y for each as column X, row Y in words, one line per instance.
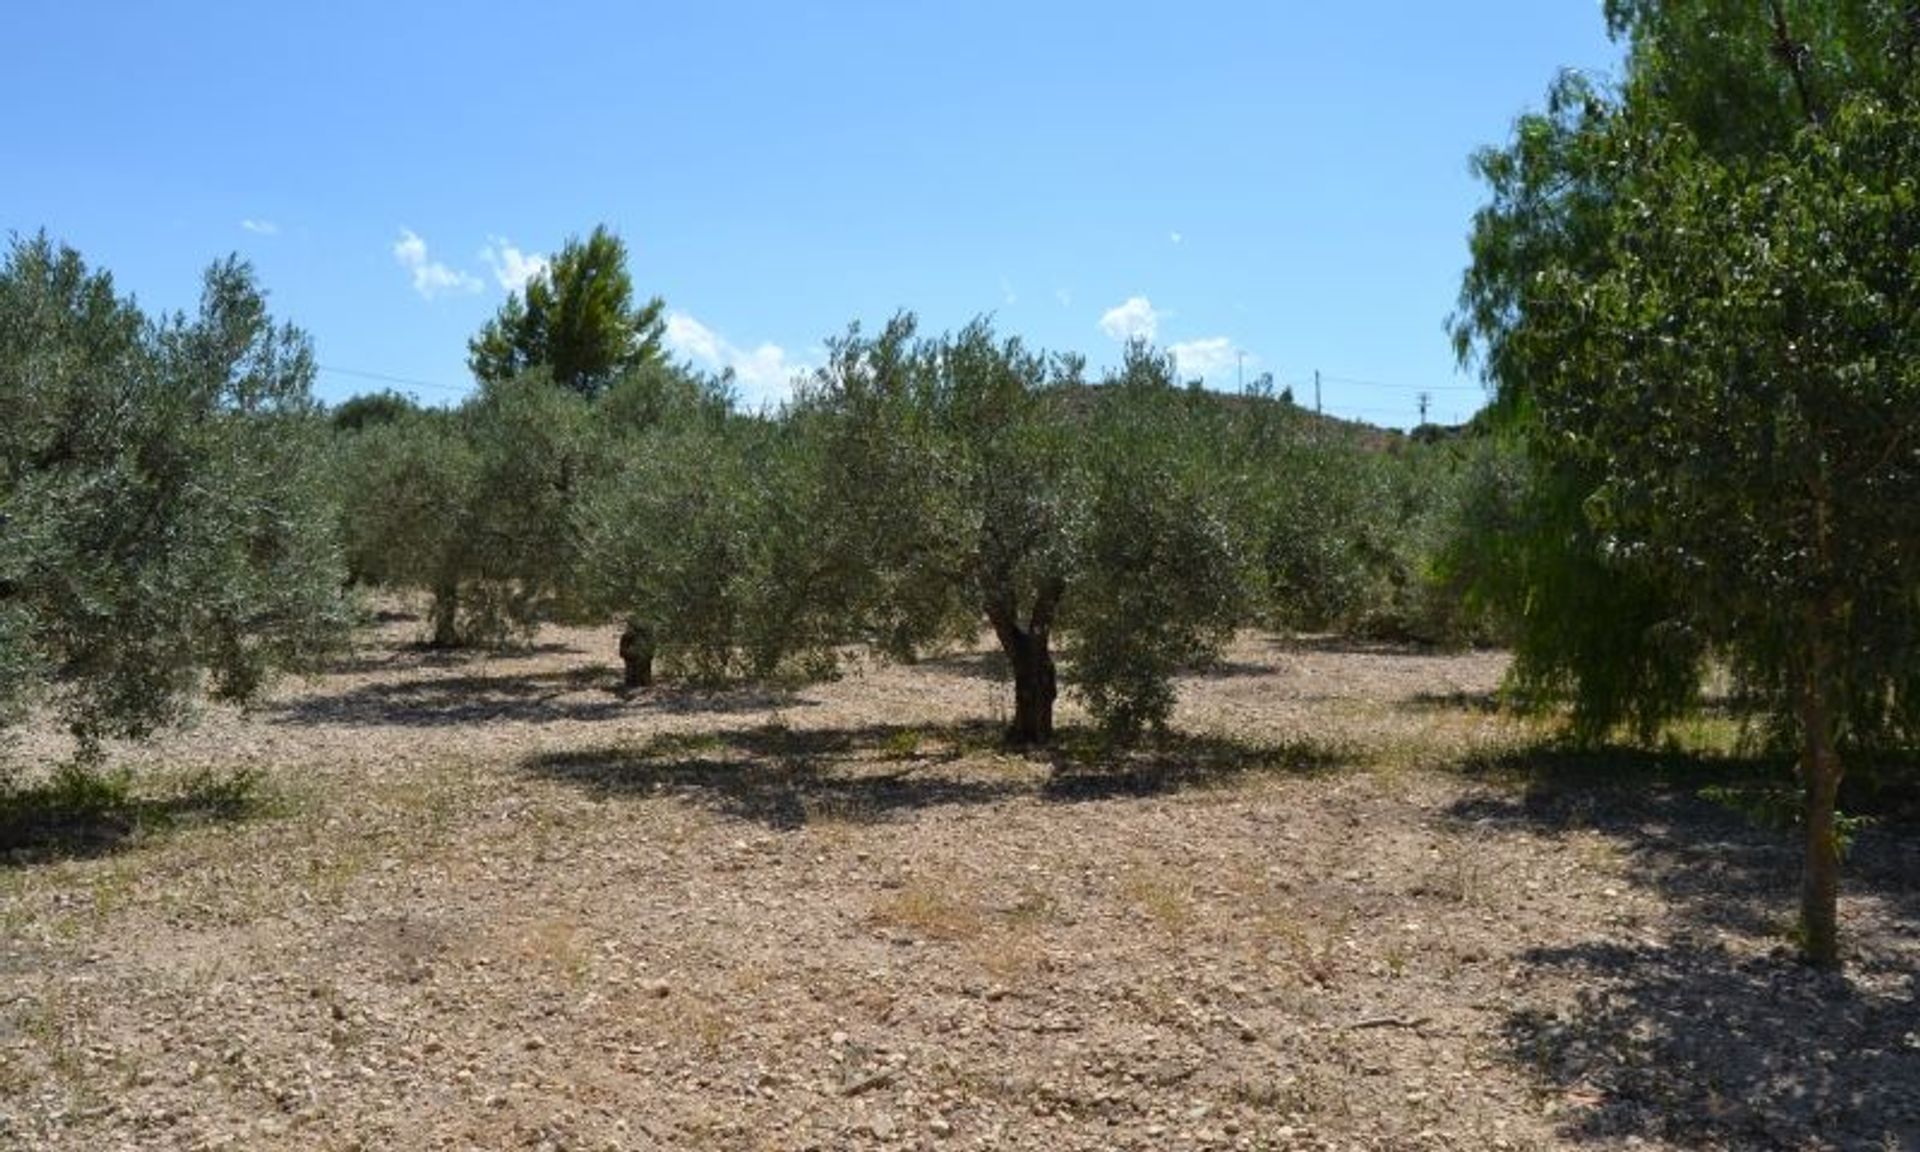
column 1133, row 320
column 692, row 339
column 1206, row 359
column 1065, row 297
column 512, row 268
column 1175, row 237
column 260, row 227
column 430, row 277
column 1007, row 294
column 763, row 373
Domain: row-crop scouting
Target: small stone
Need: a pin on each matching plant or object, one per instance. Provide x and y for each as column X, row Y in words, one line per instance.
column 658, row 989
column 939, row 1126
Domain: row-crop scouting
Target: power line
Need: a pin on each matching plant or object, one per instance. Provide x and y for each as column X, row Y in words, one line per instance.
column 384, row 378
column 1403, row 387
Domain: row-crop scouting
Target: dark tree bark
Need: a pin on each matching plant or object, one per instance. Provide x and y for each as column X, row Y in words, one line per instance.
column 1820, row 772
column 1796, row 57
column 636, row 655
column 446, row 616
column 1035, row 685
column 1028, row 649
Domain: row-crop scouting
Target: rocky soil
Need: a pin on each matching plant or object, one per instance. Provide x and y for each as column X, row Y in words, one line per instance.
column 488, row 902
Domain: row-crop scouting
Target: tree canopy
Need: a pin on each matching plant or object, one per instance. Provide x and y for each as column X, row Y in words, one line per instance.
column 577, row 318
column 973, row 481
column 163, row 524
column 1696, row 295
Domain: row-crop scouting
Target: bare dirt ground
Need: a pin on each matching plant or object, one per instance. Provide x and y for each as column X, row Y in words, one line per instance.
column 485, row 902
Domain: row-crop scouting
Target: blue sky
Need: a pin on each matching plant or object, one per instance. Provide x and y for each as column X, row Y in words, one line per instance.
column 1279, row 185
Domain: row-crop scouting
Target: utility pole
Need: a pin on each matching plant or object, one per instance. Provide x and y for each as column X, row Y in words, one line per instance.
column 1240, row 371
column 1316, row 392
column 1425, row 397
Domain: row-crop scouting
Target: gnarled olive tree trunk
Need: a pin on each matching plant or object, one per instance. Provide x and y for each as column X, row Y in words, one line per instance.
column 1028, row 649
column 636, row 655
column 446, row 615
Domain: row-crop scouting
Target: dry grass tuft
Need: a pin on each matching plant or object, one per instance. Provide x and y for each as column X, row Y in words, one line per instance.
column 929, row 910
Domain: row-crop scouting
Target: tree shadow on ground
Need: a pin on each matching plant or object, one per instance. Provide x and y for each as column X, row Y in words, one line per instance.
column 1334, row 644
column 1233, row 670
column 1087, row 767
column 718, row 699
column 786, row 778
column 583, row 693
column 83, row 816
column 983, row 664
column 409, row 657
column 1478, row 703
column 1689, row 1035
column 445, row 701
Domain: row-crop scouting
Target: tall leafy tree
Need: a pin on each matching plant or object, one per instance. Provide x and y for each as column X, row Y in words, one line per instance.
column 578, row 319
column 163, row 525
column 1699, row 291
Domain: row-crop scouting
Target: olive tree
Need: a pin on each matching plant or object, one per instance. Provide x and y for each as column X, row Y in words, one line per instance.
column 406, row 503
column 163, row 526
column 472, row 505
column 666, row 537
column 971, row 480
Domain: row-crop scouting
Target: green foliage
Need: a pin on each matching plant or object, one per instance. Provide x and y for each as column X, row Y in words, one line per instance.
column 473, row 505
column 667, row 538
column 1585, row 625
column 1697, row 297
column 657, row 394
column 163, row 524
column 1342, row 533
column 1782, row 808
column 373, row 408
column 404, row 498
column 801, row 583
column 1738, row 379
column 577, row 320
column 1158, row 585
column 534, row 453
column 969, row 479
